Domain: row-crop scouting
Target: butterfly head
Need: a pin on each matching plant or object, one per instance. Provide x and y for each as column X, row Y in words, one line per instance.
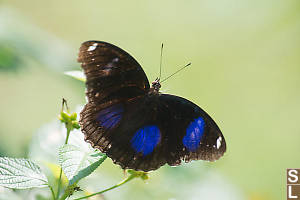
column 156, row 85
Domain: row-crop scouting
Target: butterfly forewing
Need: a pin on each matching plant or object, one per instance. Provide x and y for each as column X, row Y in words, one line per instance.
column 112, row 78
column 109, row 70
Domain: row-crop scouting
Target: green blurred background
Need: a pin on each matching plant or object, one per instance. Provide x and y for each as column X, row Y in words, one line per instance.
column 245, row 73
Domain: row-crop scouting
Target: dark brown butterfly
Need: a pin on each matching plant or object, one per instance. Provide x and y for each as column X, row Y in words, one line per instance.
column 134, row 124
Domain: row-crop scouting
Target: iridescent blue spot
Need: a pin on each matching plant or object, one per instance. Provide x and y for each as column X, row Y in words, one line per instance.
column 145, row 139
column 111, row 116
column 193, row 135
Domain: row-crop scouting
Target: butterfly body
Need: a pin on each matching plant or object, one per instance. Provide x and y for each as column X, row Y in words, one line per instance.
column 133, row 123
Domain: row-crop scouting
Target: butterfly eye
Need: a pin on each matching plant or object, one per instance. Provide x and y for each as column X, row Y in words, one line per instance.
column 156, row 84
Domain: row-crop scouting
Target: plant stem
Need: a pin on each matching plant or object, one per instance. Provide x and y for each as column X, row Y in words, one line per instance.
column 129, row 178
column 68, row 134
column 59, row 183
column 60, row 172
column 52, row 192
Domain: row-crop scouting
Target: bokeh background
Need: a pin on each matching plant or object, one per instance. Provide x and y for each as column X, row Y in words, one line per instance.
column 245, row 73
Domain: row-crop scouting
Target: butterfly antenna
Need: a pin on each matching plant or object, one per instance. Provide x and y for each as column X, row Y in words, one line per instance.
column 176, row 72
column 161, row 54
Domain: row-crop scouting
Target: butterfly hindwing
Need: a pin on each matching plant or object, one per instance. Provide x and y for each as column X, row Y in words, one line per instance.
column 191, row 133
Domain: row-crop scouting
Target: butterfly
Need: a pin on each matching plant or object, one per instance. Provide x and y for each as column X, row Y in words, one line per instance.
column 134, row 124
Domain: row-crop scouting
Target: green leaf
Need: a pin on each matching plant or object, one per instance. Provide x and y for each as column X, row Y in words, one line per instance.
column 46, row 142
column 76, row 74
column 20, row 173
column 78, row 163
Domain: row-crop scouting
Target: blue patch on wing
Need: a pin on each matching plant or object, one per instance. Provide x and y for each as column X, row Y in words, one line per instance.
column 111, row 116
column 193, row 135
column 145, row 139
